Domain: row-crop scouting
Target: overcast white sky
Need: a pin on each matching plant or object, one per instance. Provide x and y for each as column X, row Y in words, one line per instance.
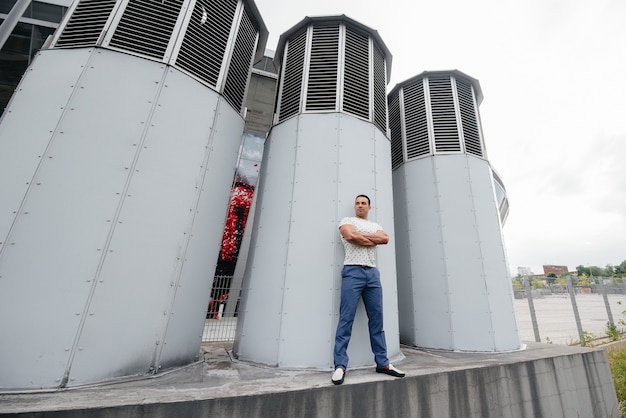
column 553, row 75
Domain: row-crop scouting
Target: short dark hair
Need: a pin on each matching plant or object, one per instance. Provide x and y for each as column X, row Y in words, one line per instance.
column 365, row 196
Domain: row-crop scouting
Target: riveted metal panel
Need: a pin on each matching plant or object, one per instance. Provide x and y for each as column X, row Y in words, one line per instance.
column 430, row 306
column 44, row 91
column 404, row 271
column 333, row 158
column 365, row 168
column 310, row 267
column 262, row 296
column 471, row 322
column 457, row 257
column 148, row 250
column 495, row 264
column 62, row 243
column 188, row 309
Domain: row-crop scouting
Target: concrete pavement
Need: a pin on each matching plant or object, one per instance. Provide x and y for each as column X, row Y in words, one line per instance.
column 542, row 380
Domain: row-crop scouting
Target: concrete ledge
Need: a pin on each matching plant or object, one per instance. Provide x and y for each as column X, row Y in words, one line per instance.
column 542, row 381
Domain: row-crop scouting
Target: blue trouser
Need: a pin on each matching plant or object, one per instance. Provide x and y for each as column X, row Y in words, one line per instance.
column 360, row 282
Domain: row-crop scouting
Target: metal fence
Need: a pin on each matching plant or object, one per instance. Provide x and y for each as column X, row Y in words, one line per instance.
column 555, row 314
column 573, row 315
column 221, row 317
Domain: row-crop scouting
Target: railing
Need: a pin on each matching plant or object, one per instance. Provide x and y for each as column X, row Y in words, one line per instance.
column 223, row 309
column 574, row 315
column 556, row 314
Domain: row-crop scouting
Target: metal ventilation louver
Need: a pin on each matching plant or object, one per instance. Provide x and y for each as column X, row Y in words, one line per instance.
column 471, row 134
column 292, row 77
column 241, row 63
column 356, row 98
column 86, row 23
column 322, row 81
column 415, row 121
column 380, row 90
column 146, row 27
column 444, row 115
column 395, row 126
column 204, row 47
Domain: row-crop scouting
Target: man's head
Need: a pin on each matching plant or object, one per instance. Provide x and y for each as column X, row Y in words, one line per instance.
column 362, row 206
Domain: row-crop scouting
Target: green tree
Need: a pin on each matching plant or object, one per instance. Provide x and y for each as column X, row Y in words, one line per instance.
column 609, row 270
column 537, row 283
column 583, row 279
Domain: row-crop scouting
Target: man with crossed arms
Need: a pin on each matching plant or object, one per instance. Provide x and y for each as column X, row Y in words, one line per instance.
column 361, row 279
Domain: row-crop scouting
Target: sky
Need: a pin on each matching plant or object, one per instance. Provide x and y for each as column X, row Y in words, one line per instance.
column 553, row 76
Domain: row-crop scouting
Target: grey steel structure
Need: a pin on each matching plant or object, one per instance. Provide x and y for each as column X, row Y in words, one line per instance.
column 328, row 144
column 453, row 276
column 114, row 197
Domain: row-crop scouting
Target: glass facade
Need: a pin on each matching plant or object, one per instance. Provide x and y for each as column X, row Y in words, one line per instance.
column 39, row 21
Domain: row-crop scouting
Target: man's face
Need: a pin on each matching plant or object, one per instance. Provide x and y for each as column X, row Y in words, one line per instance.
column 361, row 207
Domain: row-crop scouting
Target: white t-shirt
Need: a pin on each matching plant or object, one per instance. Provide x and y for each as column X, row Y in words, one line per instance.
column 358, row 254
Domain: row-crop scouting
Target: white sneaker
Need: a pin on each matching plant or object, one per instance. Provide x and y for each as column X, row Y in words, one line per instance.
column 338, row 376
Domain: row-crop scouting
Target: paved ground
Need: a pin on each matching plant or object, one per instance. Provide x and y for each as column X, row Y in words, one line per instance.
column 219, row 376
column 556, row 320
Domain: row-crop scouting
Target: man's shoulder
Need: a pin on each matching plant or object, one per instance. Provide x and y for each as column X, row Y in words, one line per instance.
column 354, row 220
column 351, row 220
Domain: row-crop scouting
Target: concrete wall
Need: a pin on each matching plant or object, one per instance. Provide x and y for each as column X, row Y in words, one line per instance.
column 545, row 381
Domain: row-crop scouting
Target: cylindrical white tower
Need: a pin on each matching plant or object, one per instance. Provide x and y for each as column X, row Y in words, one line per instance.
column 329, row 144
column 453, row 277
column 117, row 154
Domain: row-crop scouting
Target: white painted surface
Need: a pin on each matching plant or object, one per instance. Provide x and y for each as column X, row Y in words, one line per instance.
column 111, row 250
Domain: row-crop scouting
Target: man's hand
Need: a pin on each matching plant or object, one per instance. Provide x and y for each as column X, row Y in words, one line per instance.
column 353, row 236
column 380, row 237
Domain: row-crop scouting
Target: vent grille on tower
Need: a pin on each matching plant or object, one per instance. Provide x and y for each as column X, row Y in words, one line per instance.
column 471, row 134
column 380, row 90
column 356, row 98
column 86, row 23
column 241, row 63
column 395, row 125
column 416, row 121
column 204, row 47
column 146, row 27
column 322, row 80
column 444, row 115
column 333, row 64
column 435, row 113
column 292, row 76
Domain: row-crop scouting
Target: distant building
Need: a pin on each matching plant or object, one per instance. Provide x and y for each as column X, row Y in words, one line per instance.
column 547, row 269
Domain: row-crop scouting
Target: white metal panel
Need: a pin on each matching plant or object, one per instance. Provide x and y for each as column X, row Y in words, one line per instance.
column 148, row 248
column 431, row 299
column 497, row 277
column 106, row 227
column 364, row 169
column 60, row 244
column 333, row 159
column 262, row 297
column 310, row 268
column 471, row 322
column 462, row 296
column 404, row 273
column 42, row 95
column 188, row 311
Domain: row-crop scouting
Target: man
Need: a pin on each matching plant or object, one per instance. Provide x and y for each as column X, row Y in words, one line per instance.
column 361, row 279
